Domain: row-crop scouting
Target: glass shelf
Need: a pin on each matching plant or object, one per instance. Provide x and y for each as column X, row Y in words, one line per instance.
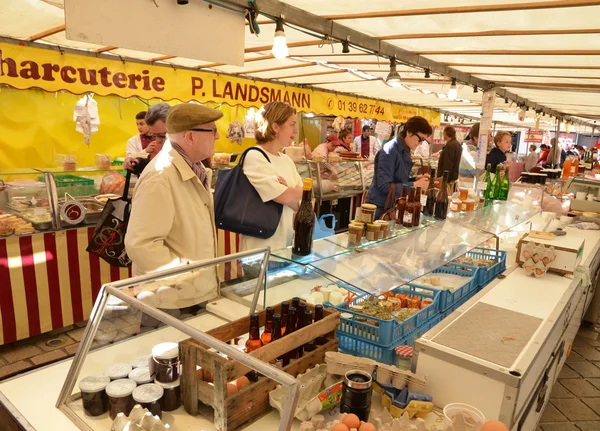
column 498, row 218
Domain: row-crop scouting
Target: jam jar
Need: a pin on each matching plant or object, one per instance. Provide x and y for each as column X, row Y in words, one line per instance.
column 120, row 399
column 141, row 375
column 164, row 365
column 171, row 400
column 149, row 396
column 93, row 395
column 139, row 361
column 117, row 371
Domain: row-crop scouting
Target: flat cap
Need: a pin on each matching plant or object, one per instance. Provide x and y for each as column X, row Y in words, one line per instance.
column 186, row 116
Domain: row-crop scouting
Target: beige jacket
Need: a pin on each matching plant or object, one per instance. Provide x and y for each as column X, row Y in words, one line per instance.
column 172, row 223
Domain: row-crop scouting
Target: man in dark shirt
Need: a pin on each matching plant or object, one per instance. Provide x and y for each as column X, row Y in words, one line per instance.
column 450, row 156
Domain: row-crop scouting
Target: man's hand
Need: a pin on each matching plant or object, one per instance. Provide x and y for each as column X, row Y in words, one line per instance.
column 423, row 183
column 151, row 147
column 130, row 163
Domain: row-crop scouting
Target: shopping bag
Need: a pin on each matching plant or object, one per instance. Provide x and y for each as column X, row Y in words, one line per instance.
column 108, row 239
column 238, row 206
column 321, row 229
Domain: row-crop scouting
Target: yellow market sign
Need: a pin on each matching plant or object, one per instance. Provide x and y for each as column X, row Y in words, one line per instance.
column 28, row 67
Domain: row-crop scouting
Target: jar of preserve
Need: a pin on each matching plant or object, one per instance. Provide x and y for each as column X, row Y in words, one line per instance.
column 141, row 375
column 384, row 228
column 171, row 399
column 120, row 398
column 355, row 233
column 368, row 212
column 164, row 365
column 140, row 361
column 93, row 395
column 148, row 396
column 373, row 231
column 455, row 205
column 117, row 371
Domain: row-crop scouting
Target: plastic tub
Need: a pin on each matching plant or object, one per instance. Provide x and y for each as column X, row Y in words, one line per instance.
column 453, row 409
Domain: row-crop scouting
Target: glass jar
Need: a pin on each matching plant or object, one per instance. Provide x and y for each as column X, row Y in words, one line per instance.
column 373, row 231
column 368, row 213
column 117, row 371
column 140, row 361
column 384, row 228
column 455, row 205
column 164, row 365
column 148, row 396
column 171, row 399
column 120, row 398
column 93, row 395
column 355, row 233
column 141, row 375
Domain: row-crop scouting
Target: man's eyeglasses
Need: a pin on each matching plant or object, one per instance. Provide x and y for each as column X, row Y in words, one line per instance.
column 160, row 136
column 213, row 130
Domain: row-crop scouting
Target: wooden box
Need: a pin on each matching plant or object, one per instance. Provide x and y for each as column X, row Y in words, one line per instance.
column 569, row 252
column 244, row 407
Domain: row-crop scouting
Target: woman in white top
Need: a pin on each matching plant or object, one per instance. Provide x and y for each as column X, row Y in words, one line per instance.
column 275, row 179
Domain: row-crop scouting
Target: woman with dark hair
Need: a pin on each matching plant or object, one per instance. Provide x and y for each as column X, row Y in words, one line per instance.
column 393, row 163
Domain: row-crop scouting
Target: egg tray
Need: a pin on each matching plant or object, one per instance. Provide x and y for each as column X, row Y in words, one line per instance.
column 484, row 275
column 387, row 355
column 448, row 298
column 205, row 391
column 381, row 332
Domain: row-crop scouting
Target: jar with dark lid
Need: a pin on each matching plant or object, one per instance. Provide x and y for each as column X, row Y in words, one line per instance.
column 93, row 395
column 148, row 396
column 117, row 371
column 164, row 365
column 139, row 361
column 171, row 400
column 141, row 375
column 120, row 398
column 356, row 394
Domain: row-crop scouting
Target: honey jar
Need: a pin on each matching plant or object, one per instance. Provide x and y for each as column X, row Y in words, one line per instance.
column 164, row 365
column 148, row 396
column 355, row 233
column 93, row 395
column 117, row 371
column 171, row 399
column 373, row 231
column 368, row 213
column 141, row 375
column 120, row 398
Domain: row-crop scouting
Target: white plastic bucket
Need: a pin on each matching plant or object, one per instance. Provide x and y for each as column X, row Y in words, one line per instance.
column 453, row 409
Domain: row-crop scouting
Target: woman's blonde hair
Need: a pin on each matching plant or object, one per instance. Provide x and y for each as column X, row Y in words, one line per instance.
column 498, row 136
column 269, row 114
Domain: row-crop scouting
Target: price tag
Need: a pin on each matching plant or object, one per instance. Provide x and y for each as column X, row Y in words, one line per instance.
column 72, row 212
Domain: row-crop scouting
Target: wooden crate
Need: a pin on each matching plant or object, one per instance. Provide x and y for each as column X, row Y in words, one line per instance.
column 244, row 407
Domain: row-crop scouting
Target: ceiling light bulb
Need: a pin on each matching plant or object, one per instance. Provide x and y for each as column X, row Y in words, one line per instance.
column 452, row 92
column 280, row 48
column 393, row 77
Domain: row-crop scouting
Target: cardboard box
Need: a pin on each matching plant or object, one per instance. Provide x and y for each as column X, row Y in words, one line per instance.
column 569, row 252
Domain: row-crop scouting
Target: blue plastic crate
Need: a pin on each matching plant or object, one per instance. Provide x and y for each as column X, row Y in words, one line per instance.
column 381, row 332
column 484, row 275
column 448, row 298
column 387, row 355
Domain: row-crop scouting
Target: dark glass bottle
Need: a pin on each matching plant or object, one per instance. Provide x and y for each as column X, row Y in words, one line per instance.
column 409, row 209
column 441, row 200
column 430, row 193
column 254, row 341
column 276, row 336
column 401, row 204
column 304, row 223
column 311, row 346
column 285, row 306
column 318, row 316
column 268, row 332
column 291, row 328
column 300, row 325
column 417, row 211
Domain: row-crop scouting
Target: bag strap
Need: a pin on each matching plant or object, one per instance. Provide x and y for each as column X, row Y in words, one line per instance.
column 390, row 198
column 125, row 196
column 241, row 162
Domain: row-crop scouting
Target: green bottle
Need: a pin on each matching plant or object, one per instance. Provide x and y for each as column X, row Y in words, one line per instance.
column 497, row 183
column 487, row 180
column 504, row 186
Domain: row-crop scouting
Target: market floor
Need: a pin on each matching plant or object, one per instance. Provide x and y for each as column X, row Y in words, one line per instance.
column 574, row 403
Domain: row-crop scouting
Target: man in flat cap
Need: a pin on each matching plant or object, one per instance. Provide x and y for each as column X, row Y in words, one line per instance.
column 172, row 216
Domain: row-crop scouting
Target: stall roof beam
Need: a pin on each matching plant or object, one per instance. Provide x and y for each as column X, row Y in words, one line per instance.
column 337, row 31
column 47, row 33
column 522, row 66
column 555, row 4
column 514, row 52
column 489, row 33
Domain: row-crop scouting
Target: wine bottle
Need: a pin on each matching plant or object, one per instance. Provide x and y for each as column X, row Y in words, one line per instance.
column 504, row 186
column 441, row 200
column 285, row 306
column 498, row 182
column 268, row 332
column 417, row 211
column 276, row 336
column 304, row 223
column 311, row 346
column 409, row 209
column 430, row 193
column 490, row 190
column 254, row 341
column 401, row 204
column 318, row 316
column 291, row 328
column 487, row 180
column 300, row 325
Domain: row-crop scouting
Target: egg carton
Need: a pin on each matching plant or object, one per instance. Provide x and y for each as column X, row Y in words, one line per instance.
column 538, row 258
column 139, row 419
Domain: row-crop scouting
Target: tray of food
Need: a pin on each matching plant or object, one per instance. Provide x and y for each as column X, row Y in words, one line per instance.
column 14, row 225
column 93, row 209
column 40, row 219
column 105, row 198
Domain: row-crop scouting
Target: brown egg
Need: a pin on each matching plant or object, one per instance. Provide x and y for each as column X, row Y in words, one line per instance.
column 231, row 388
column 242, row 382
column 340, row 427
column 494, row 426
column 351, row 421
column 367, row 426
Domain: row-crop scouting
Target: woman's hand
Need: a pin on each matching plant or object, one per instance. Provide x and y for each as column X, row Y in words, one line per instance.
column 282, row 181
column 422, row 182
